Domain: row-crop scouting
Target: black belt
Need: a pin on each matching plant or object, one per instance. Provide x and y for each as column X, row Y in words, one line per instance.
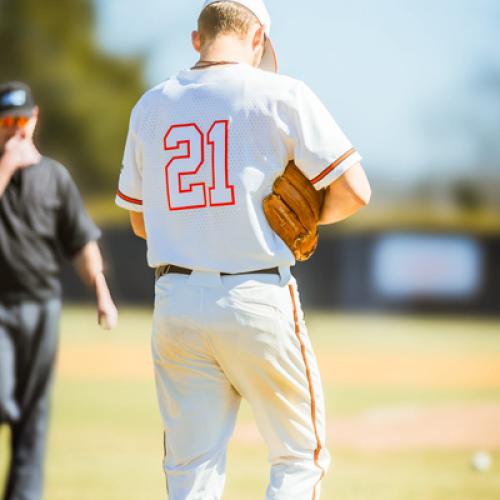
column 170, row 268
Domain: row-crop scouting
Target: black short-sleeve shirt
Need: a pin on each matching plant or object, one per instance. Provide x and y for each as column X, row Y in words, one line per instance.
column 42, row 220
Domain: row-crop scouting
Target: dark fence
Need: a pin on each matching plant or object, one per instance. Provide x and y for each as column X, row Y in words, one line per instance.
column 348, row 272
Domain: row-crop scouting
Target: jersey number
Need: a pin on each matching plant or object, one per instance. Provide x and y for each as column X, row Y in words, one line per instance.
column 191, row 146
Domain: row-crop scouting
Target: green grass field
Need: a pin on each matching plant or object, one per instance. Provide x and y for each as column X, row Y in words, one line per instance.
column 409, row 401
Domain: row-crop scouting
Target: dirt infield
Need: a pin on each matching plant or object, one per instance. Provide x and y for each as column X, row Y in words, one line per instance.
column 399, row 369
column 409, row 401
column 451, row 427
column 403, row 369
column 430, row 366
column 465, row 427
column 97, row 361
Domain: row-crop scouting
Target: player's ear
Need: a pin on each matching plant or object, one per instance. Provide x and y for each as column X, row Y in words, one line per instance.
column 196, row 40
column 258, row 37
column 31, row 125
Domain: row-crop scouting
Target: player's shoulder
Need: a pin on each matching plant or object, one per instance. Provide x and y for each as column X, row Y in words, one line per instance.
column 277, row 85
column 152, row 93
column 274, row 78
column 148, row 101
column 148, row 98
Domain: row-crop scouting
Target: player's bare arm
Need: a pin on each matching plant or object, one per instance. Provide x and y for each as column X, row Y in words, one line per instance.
column 89, row 266
column 346, row 196
column 137, row 223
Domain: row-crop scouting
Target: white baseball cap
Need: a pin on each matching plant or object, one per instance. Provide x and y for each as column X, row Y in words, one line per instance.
column 259, row 9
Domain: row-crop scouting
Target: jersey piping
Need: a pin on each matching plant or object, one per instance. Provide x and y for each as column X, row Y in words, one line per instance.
column 128, row 198
column 333, row 166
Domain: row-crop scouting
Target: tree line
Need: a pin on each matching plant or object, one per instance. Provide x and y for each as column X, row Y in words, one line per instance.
column 84, row 94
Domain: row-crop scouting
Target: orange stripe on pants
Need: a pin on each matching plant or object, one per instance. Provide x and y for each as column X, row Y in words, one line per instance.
column 311, row 389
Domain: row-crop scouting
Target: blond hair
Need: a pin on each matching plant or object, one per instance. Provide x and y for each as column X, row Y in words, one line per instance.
column 224, row 17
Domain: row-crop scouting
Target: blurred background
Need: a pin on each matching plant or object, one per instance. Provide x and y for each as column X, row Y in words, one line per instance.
column 403, row 299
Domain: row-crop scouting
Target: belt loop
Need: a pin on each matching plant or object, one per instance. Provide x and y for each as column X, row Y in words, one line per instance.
column 158, row 272
column 161, row 271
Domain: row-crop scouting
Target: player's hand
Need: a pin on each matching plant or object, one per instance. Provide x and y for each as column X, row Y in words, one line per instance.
column 20, row 152
column 107, row 314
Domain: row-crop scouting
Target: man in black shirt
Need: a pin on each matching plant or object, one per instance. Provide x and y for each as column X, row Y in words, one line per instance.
column 42, row 220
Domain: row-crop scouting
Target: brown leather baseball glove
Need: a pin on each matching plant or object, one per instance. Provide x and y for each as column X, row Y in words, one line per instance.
column 293, row 210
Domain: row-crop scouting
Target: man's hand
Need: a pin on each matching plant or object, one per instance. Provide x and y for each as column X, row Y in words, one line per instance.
column 107, row 314
column 19, row 152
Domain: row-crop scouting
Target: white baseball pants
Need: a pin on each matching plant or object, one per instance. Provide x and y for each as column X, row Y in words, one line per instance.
column 218, row 339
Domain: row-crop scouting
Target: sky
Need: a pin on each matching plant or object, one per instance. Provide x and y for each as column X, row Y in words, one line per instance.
column 402, row 79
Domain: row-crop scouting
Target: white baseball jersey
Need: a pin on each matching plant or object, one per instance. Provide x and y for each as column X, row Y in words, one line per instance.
column 203, row 151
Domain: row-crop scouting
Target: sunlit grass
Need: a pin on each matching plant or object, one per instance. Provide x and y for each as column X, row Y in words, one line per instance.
column 106, row 436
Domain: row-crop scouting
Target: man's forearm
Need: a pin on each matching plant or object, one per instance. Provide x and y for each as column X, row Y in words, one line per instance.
column 345, row 196
column 88, row 263
column 340, row 211
column 6, row 173
column 89, row 266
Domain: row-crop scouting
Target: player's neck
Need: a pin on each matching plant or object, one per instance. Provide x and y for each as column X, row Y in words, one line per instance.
column 226, row 48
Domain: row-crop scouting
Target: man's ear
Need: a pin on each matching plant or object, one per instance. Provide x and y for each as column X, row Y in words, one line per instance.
column 29, row 130
column 196, row 41
column 259, row 37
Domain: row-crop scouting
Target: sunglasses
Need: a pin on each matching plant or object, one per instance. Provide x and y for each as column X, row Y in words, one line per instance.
column 14, row 121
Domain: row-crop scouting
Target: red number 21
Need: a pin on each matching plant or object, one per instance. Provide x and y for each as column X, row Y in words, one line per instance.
column 183, row 192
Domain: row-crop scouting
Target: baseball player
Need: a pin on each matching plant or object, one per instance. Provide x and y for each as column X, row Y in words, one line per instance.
column 42, row 219
column 204, row 151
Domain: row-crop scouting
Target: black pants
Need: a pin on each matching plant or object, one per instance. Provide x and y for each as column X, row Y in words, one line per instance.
column 28, row 344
